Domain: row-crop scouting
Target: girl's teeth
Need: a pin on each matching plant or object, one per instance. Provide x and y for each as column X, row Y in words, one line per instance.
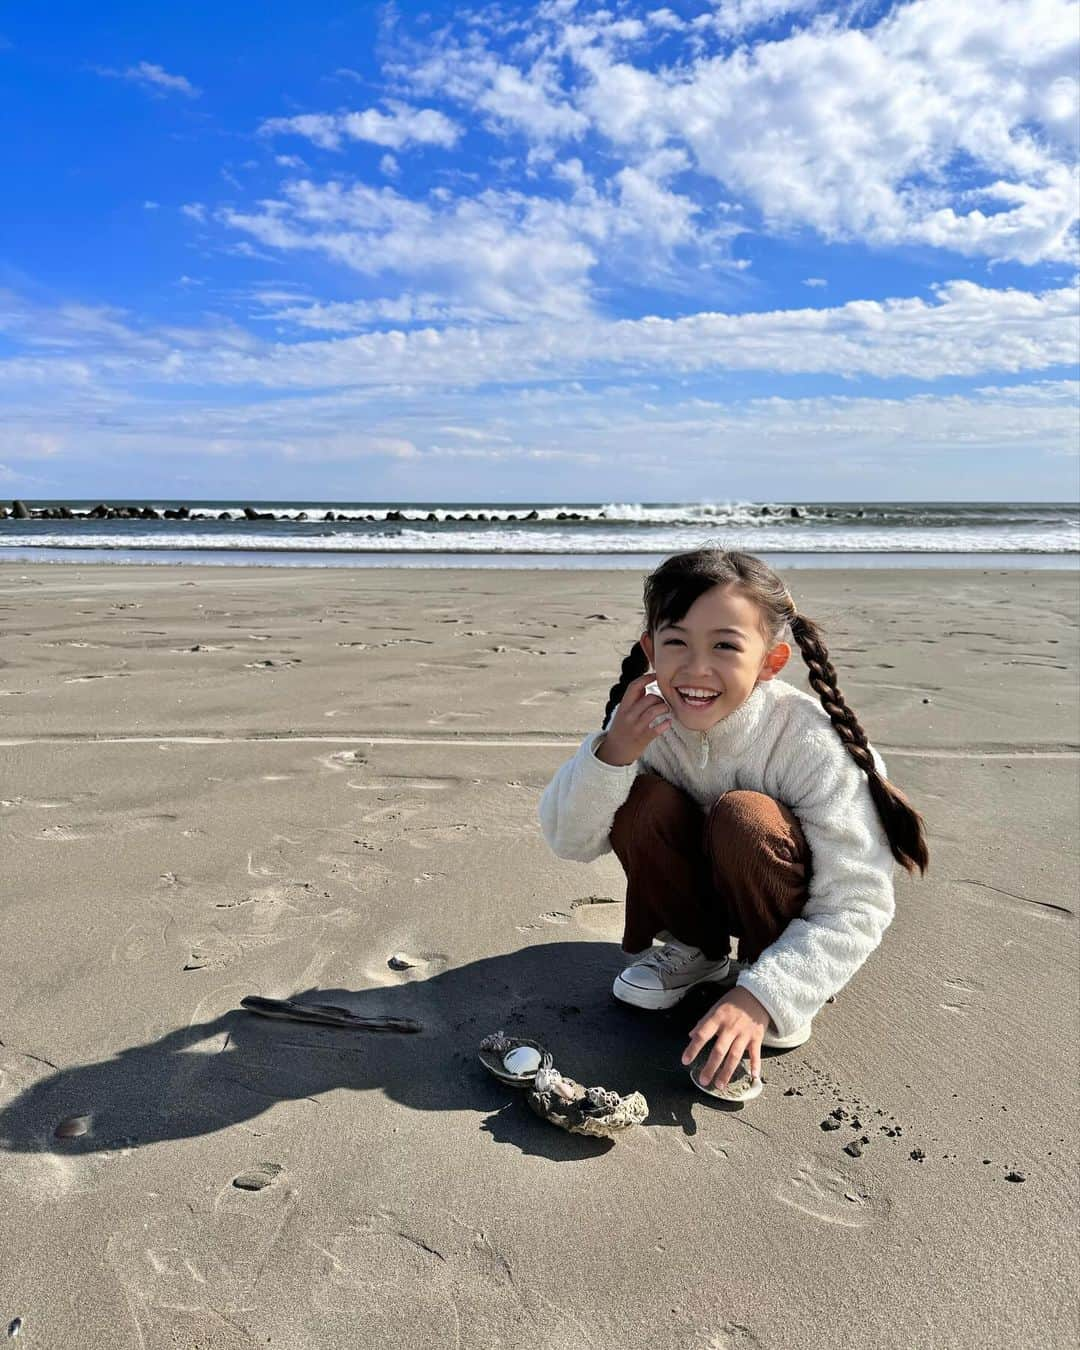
column 696, row 701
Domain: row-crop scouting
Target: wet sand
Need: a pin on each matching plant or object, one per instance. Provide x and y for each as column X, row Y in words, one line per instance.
column 216, row 782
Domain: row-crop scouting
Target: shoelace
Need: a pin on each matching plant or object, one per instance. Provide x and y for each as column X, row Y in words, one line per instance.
column 670, row 958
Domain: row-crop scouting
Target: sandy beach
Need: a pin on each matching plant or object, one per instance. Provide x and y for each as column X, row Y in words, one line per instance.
column 221, row 781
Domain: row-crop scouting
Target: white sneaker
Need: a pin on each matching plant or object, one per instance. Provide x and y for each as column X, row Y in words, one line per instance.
column 661, row 977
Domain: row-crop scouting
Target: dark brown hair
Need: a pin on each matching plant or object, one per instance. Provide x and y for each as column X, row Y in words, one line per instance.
column 675, row 585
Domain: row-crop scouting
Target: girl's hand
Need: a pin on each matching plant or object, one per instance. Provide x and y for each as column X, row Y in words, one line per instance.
column 639, row 719
column 738, row 1023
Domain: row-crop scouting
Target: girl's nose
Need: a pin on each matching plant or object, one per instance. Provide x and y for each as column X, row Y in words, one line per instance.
column 699, row 667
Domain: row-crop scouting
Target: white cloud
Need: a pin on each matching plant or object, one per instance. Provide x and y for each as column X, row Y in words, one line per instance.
column 665, row 19
column 854, row 132
column 936, row 125
column 351, row 316
column 735, row 17
column 505, row 253
column 153, row 78
column 819, row 444
column 194, row 211
column 389, row 166
column 500, row 253
column 814, row 281
column 151, row 206
column 526, row 99
column 399, row 128
column 964, row 331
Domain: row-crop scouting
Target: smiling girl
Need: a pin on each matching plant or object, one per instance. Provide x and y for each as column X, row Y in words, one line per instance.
column 738, row 807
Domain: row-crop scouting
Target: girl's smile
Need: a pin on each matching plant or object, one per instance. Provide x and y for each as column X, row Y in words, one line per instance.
column 709, row 663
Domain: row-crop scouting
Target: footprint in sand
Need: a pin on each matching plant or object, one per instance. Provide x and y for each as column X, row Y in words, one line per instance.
column 416, row 1291
column 734, row 1336
column 177, row 1268
column 52, row 804
column 468, row 668
column 341, row 760
column 220, row 950
column 105, row 675
column 102, row 828
column 558, row 917
column 143, row 941
column 258, row 1178
column 386, row 1271
column 424, row 837
column 828, row 1196
column 543, row 695
column 595, row 913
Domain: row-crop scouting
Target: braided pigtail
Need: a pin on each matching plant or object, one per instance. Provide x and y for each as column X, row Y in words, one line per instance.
column 902, row 823
column 634, row 664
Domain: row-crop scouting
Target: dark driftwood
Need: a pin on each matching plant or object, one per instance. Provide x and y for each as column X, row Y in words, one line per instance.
column 326, row 1014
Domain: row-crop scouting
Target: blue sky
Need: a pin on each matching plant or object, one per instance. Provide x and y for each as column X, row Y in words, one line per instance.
column 754, row 249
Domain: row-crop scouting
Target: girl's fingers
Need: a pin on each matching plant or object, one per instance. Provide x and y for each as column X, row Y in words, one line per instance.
column 722, row 1063
column 730, row 1063
column 754, row 1050
column 648, row 708
column 642, row 718
column 701, row 1035
column 715, row 1061
column 636, row 688
column 649, row 701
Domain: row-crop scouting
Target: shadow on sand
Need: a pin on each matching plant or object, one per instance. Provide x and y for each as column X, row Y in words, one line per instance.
column 233, row 1067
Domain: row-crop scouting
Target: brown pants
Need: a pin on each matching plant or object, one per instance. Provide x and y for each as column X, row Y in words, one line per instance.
column 739, row 869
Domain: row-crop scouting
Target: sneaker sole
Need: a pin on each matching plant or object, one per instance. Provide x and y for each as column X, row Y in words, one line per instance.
column 657, row 1000
column 773, row 1041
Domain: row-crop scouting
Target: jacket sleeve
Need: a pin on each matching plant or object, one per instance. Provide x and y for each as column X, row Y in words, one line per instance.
column 578, row 806
column 850, row 900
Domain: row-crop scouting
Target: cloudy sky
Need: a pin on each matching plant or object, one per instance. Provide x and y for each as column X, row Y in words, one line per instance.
column 561, row 251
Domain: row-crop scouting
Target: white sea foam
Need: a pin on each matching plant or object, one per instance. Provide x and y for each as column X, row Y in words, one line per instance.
column 664, row 539
column 612, row 529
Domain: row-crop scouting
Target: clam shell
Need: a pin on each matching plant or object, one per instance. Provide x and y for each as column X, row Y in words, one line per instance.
column 741, row 1088
column 522, row 1060
column 72, row 1127
column 495, row 1060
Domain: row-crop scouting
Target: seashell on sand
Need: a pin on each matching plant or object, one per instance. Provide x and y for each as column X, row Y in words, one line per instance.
column 72, row 1127
column 524, row 1059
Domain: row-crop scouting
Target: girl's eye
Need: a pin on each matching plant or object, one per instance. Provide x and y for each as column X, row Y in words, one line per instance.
column 677, row 642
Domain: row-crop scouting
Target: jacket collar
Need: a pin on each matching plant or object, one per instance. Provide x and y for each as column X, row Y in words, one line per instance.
column 732, row 734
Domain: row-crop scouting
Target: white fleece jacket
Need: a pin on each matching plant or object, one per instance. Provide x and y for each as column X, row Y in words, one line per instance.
column 780, row 742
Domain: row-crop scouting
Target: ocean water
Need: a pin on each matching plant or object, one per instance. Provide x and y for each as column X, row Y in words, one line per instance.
column 570, row 535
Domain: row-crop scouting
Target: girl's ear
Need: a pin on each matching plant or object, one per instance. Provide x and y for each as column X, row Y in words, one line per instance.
column 775, row 661
column 647, row 647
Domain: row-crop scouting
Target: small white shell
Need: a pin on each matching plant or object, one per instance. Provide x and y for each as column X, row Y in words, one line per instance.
column 522, row 1060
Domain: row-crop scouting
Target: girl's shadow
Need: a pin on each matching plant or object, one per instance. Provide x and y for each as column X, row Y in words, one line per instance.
column 212, row 1074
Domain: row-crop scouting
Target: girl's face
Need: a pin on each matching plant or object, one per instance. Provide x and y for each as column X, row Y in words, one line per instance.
column 716, row 650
